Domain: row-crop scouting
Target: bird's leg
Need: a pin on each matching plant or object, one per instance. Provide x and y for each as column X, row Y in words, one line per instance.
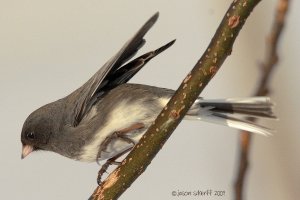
column 111, row 161
column 116, row 135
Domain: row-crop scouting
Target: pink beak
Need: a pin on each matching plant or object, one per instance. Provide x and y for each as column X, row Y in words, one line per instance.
column 26, row 150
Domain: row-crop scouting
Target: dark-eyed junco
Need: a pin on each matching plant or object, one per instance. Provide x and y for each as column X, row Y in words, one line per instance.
column 106, row 116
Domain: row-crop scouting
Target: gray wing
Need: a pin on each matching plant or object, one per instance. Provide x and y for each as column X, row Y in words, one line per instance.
column 113, row 73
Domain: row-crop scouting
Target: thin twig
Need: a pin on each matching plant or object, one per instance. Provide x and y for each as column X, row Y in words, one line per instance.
column 267, row 67
column 153, row 140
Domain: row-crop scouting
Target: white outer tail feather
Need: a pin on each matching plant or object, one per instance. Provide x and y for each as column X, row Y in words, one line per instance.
column 238, row 124
column 205, row 113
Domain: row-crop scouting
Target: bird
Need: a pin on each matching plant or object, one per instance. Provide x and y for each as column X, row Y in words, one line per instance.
column 107, row 116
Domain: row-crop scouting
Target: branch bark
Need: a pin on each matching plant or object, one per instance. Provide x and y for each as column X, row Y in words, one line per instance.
column 153, row 140
column 267, row 67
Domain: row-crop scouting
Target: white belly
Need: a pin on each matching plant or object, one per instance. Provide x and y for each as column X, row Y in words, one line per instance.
column 123, row 116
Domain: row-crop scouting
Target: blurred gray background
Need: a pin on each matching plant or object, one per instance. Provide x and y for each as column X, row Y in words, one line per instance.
column 49, row 48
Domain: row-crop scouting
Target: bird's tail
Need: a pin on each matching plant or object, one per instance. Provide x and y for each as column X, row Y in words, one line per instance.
column 234, row 112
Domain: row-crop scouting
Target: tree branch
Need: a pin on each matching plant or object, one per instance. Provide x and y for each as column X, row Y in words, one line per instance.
column 267, row 67
column 153, row 140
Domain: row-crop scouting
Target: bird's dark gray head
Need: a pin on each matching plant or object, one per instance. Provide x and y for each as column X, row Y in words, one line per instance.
column 39, row 127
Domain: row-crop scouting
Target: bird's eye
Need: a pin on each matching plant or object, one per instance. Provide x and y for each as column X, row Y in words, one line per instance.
column 30, row 135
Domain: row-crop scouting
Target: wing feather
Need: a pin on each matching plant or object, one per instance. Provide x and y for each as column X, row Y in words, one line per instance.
column 112, row 73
